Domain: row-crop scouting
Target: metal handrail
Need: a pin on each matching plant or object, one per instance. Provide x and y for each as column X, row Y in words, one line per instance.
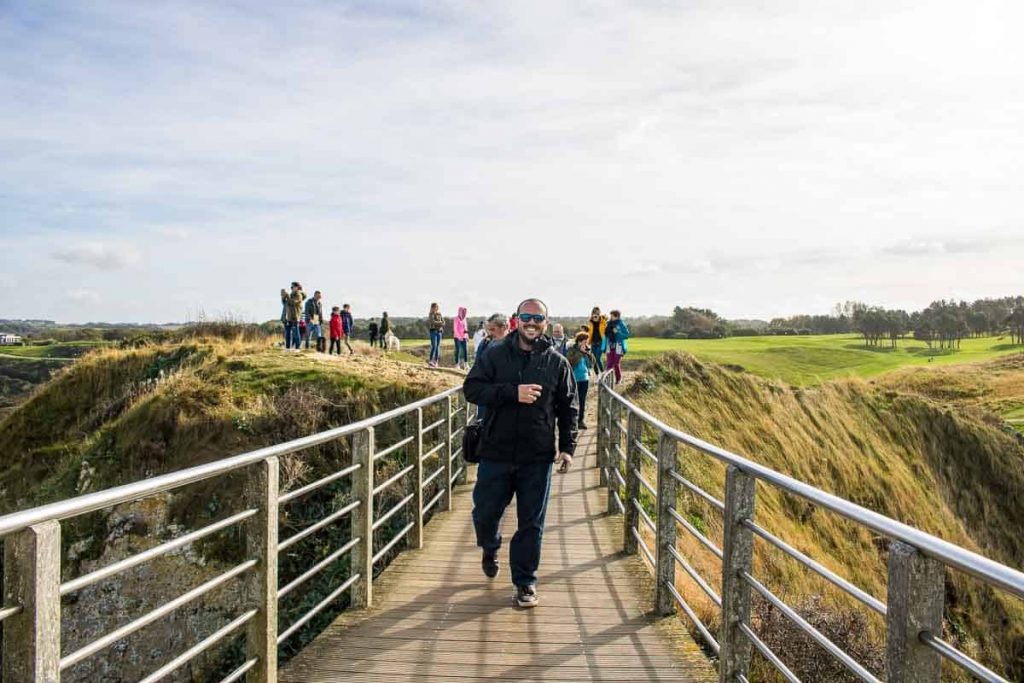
column 154, row 552
column 261, row 494
column 200, row 647
column 952, row 555
column 313, row 528
column 313, row 486
column 148, row 618
column 916, row 547
column 90, row 502
column 317, row 568
column 849, row 662
column 865, row 597
column 949, row 652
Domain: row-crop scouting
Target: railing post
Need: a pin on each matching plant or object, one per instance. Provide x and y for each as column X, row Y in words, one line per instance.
column 666, row 569
column 737, row 558
column 32, row 579
column 631, row 517
column 463, row 466
column 261, row 492
column 602, row 440
column 416, row 533
column 915, row 601
column 611, row 456
column 446, row 455
column 361, row 561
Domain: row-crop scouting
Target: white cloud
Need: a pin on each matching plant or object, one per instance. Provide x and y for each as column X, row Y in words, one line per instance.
column 394, row 153
column 83, row 296
column 103, row 255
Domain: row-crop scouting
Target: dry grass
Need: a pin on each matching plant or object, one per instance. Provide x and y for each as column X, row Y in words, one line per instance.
column 950, row 469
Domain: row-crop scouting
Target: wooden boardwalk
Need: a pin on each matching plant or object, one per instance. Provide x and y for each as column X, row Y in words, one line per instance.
column 438, row 618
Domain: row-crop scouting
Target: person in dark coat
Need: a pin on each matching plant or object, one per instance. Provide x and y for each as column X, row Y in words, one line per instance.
column 527, row 387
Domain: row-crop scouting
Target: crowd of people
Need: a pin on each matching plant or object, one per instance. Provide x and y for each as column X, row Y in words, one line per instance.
column 303, row 320
column 597, row 345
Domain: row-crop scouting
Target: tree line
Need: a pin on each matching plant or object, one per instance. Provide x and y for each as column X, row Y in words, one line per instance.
column 943, row 323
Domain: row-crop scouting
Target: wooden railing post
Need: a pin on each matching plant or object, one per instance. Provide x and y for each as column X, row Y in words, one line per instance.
column 602, row 440
column 261, row 492
column 362, row 518
column 32, row 579
column 461, row 463
column 737, row 558
column 631, row 516
column 611, row 455
column 915, row 600
column 416, row 533
column 446, row 456
column 666, row 563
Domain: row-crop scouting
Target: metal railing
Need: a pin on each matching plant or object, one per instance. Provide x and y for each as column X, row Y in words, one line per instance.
column 31, row 607
column 917, row 561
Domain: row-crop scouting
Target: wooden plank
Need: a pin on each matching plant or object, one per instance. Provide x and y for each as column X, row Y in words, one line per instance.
column 439, row 619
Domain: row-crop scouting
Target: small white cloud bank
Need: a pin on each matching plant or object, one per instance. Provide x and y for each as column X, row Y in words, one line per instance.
column 102, row 255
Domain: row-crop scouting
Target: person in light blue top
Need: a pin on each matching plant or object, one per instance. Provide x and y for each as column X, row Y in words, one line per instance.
column 582, row 362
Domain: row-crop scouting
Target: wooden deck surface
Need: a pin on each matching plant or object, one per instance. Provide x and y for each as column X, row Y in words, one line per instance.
column 438, row 618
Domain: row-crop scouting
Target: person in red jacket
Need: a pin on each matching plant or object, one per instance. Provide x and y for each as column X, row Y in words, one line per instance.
column 336, row 330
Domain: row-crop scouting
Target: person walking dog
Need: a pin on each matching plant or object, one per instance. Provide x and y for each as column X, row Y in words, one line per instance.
column 527, row 386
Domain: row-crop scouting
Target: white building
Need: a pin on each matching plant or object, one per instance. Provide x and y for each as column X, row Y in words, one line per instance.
column 9, row 339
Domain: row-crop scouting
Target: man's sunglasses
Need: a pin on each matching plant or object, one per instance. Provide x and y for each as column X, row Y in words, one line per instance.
column 534, row 317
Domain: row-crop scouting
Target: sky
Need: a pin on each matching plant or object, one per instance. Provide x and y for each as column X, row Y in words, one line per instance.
column 166, row 161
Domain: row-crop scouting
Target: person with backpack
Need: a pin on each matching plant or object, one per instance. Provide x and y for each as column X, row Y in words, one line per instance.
column 616, row 334
column 460, row 332
column 596, row 327
column 435, row 325
column 347, row 326
column 582, row 362
column 528, row 388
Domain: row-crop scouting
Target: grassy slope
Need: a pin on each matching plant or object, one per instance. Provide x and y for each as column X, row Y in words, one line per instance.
column 121, row 415
column 812, row 359
column 946, row 465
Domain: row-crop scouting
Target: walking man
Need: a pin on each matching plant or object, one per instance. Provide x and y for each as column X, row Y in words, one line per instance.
column 526, row 386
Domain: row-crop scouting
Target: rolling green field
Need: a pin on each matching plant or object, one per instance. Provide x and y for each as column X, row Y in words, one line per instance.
column 804, row 360
column 58, row 350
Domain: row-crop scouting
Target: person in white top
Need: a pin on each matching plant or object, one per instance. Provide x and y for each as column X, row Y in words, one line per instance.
column 479, row 336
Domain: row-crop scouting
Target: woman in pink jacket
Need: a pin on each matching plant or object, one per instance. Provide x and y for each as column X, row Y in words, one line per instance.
column 461, row 334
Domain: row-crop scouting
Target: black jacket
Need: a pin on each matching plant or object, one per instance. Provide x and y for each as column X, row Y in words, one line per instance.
column 513, row 431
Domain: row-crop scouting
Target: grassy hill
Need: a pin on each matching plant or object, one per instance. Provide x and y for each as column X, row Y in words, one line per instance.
column 923, row 446
column 117, row 416
column 807, row 360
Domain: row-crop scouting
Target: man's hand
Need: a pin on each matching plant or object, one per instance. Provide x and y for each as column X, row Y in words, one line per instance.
column 564, row 462
column 529, row 393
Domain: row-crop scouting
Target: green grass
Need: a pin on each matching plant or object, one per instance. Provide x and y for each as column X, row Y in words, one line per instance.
column 800, row 360
column 806, row 360
column 59, row 350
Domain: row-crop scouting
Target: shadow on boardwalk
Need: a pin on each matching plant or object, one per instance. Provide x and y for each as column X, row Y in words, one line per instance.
column 439, row 619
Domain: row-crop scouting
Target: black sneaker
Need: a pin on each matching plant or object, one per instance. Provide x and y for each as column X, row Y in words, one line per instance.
column 490, row 564
column 526, row 596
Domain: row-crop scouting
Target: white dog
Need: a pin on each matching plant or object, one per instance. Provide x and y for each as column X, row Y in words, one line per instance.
column 392, row 342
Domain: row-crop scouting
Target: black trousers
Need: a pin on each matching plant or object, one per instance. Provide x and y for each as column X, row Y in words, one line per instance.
column 335, row 344
column 373, row 339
